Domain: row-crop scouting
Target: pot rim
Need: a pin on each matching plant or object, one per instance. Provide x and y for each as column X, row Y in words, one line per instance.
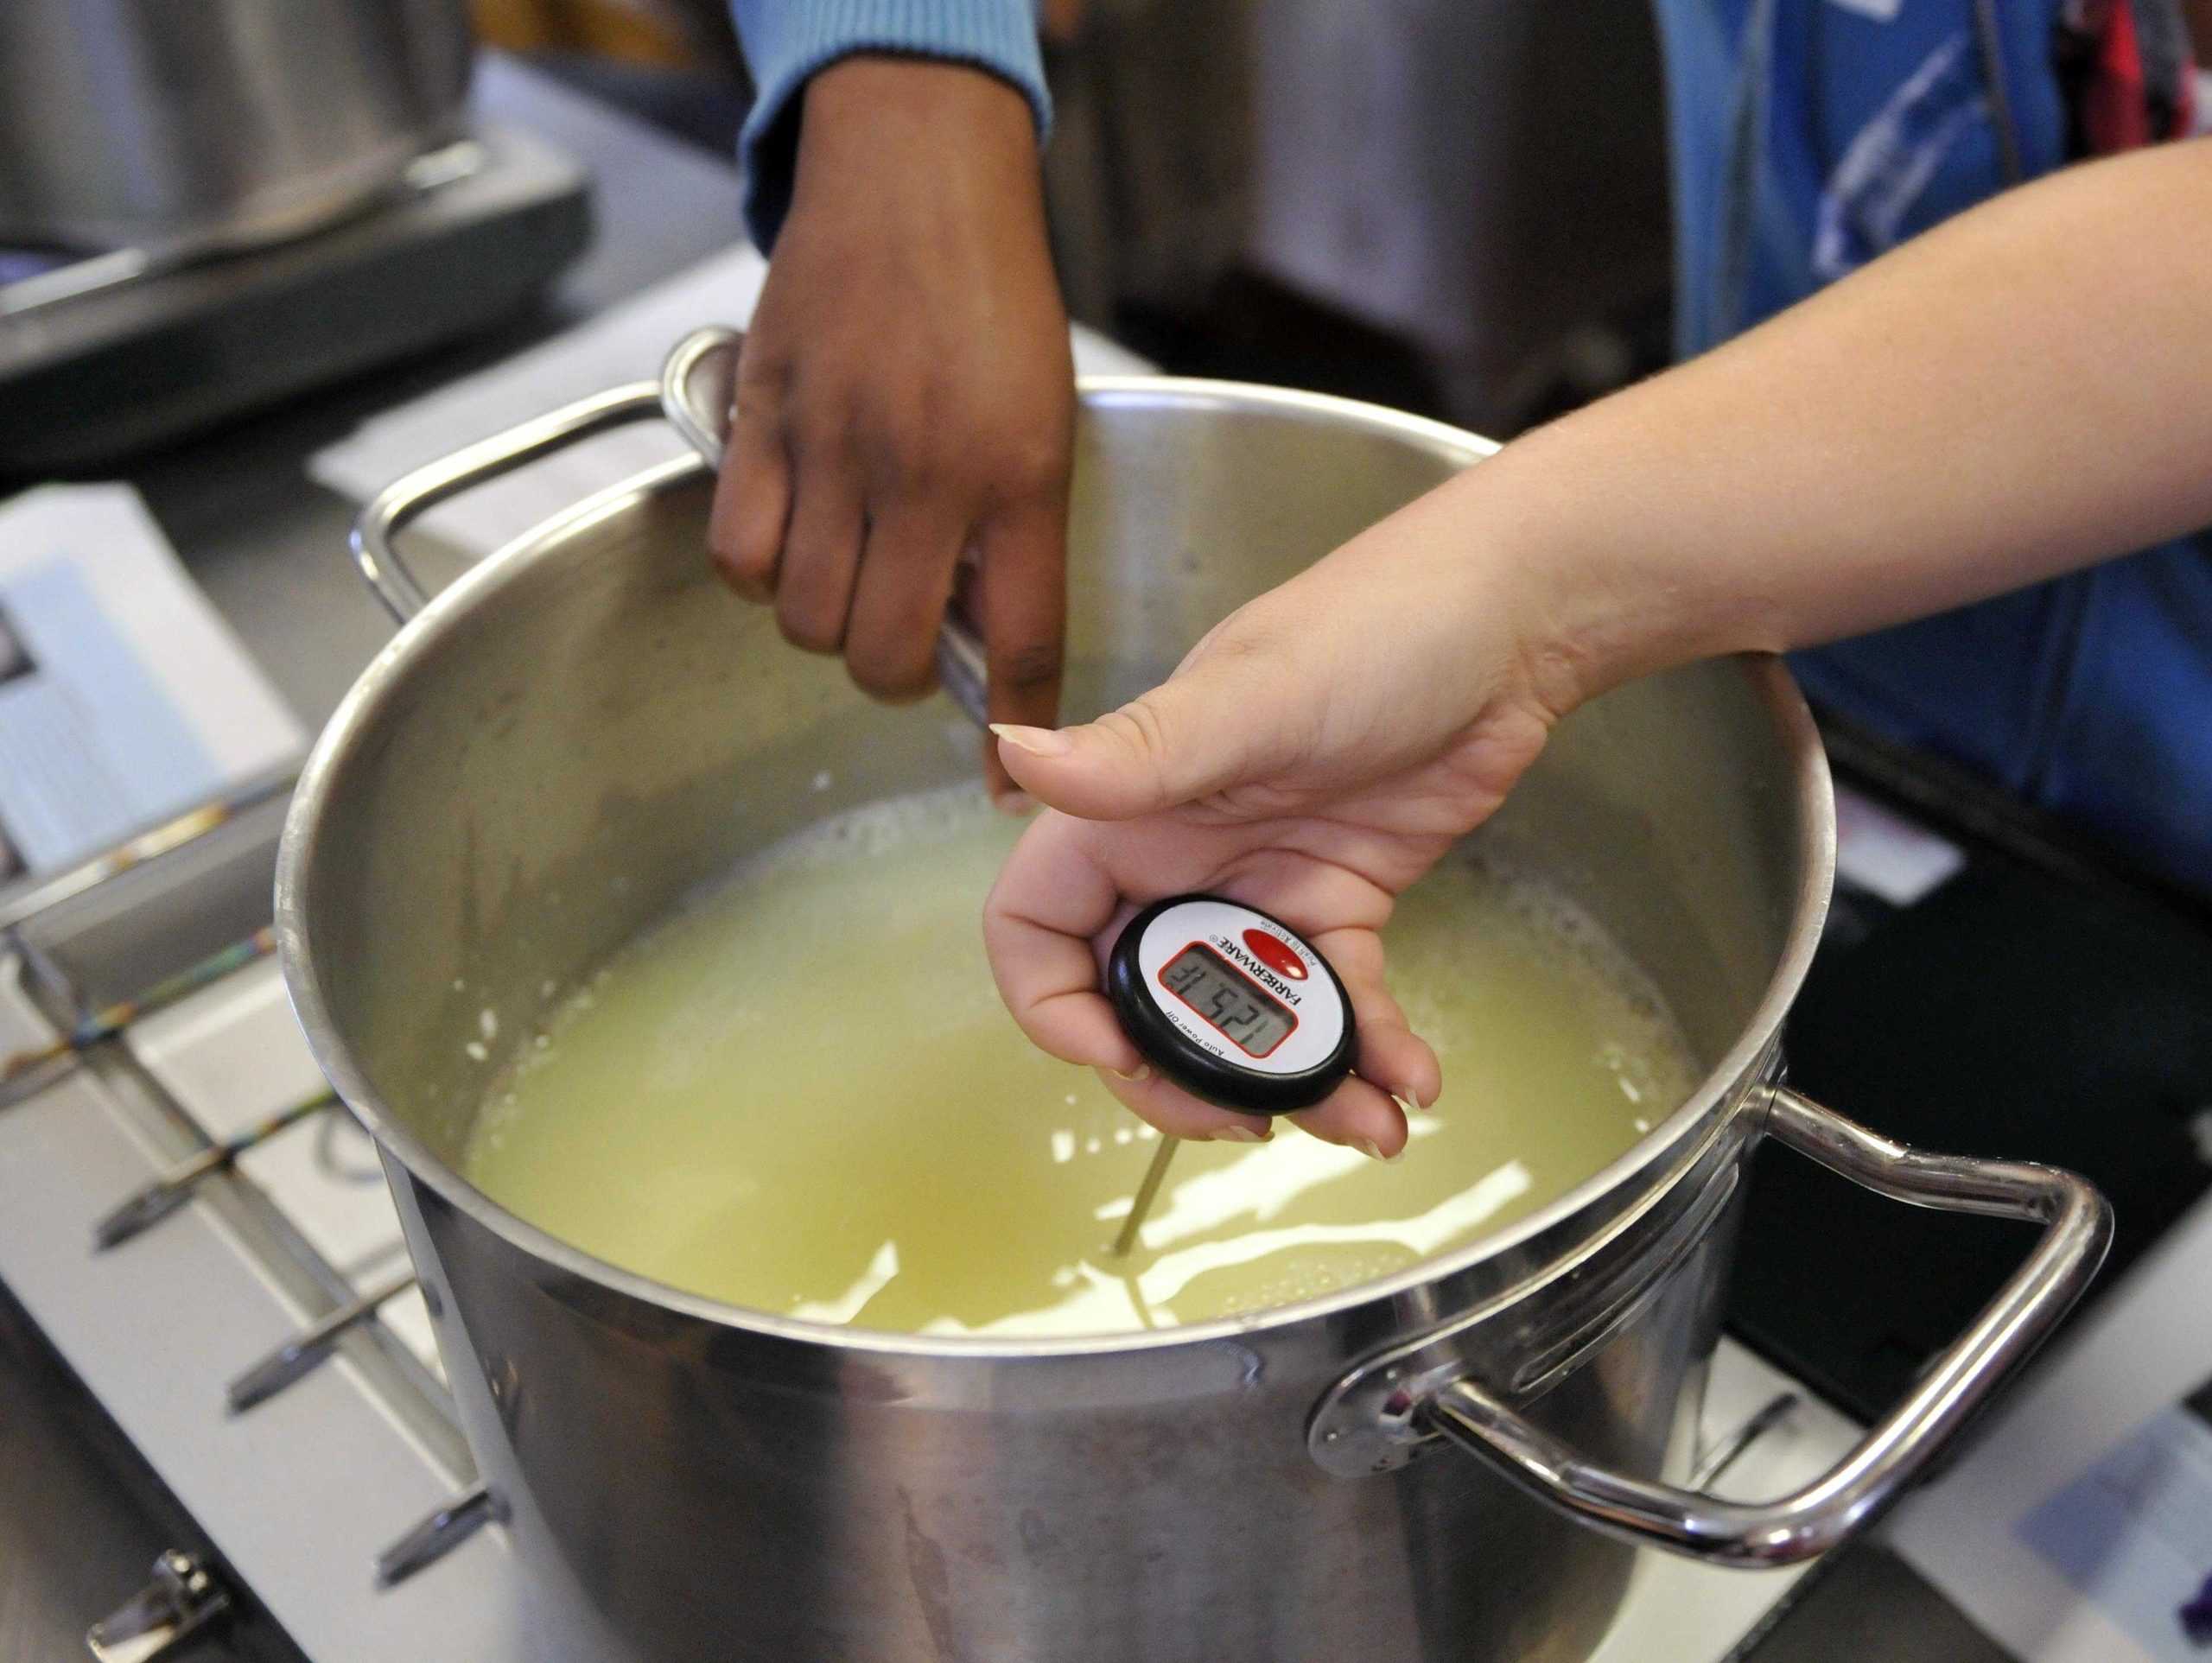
column 1651, row 1158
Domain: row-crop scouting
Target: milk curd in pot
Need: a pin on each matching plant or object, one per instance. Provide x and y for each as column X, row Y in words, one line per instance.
column 801, row 1093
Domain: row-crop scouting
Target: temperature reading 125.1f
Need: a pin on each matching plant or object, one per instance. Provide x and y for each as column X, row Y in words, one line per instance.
column 1227, row 998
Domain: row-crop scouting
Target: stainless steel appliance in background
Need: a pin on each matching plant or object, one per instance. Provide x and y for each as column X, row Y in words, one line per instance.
column 1483, row 181
column 220, row 123
column 205, row 207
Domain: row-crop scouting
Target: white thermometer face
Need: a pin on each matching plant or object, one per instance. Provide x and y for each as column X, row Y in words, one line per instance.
column 1231, row 1004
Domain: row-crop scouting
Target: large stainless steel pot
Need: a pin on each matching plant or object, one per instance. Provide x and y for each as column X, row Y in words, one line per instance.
column 586, row 725
column 184, row 126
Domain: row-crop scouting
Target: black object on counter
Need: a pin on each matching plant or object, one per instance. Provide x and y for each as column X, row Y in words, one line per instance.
column 2038, row 1004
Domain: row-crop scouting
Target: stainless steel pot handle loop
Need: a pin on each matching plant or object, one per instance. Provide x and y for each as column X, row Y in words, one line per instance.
column 2077, row 1229
column 415, row 494
column 698, row 387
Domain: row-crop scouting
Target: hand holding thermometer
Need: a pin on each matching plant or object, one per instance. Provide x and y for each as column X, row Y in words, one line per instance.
column 1233, row 1006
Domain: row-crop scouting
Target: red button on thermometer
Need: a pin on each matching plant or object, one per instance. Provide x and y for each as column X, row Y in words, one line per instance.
column 1231, row 1004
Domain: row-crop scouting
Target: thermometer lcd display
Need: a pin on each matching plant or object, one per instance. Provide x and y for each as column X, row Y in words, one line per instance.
column 1228, row 999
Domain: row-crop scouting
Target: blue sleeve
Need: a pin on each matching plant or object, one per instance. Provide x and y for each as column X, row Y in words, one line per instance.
column 788, row 40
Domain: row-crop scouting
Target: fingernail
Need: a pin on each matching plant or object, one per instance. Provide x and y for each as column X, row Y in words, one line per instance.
column 1405, row 1103
column 1374, row 1151
column 1018, row 804
column 1038, row 741
column 1243, row 1134
column 1143, row 1071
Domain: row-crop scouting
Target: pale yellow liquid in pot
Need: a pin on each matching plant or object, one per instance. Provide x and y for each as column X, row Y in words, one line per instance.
column 802, row 1095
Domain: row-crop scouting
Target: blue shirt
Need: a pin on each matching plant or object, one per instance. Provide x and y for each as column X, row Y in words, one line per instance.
column 1807, row 137
column 786, row 42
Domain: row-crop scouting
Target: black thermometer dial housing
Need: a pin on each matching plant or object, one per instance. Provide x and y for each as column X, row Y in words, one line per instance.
column 1231, row 1004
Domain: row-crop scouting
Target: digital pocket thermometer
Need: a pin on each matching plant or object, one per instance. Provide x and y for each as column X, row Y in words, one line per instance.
column 1233, row 1006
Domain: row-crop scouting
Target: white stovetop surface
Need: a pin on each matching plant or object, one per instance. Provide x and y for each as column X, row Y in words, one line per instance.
column 232, row 1053
column 299, row 1495
column 1679, row 1611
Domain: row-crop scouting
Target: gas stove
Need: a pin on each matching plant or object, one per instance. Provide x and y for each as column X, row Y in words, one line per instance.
column 310, row 1505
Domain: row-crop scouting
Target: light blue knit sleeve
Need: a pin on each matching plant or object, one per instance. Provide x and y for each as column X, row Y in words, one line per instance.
column 787, row 41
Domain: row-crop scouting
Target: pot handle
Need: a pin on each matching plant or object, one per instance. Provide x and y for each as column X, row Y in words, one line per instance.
column 415, row 494
column 698, row 388
column 2077, row 1229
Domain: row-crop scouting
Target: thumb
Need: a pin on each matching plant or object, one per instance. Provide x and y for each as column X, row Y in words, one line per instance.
column 1189, row 737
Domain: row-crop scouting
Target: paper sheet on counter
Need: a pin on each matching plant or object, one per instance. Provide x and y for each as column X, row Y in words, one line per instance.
column 124, row 697
column 2079, row 1526
column 2133, row 1537
column 625, row 344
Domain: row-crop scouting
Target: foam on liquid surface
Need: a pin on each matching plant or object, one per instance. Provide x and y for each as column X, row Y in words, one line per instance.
column 801, row 1093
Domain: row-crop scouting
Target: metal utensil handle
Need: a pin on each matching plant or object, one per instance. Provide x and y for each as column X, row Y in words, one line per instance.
column 415, row 494
column 2077, row 1229
column 697, row 384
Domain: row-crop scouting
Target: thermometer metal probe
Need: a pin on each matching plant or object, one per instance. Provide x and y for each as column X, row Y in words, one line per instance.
column 1234, row 1007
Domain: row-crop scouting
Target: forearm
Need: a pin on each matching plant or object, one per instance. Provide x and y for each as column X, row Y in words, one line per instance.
column 789, row 42
column 2024, row 391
